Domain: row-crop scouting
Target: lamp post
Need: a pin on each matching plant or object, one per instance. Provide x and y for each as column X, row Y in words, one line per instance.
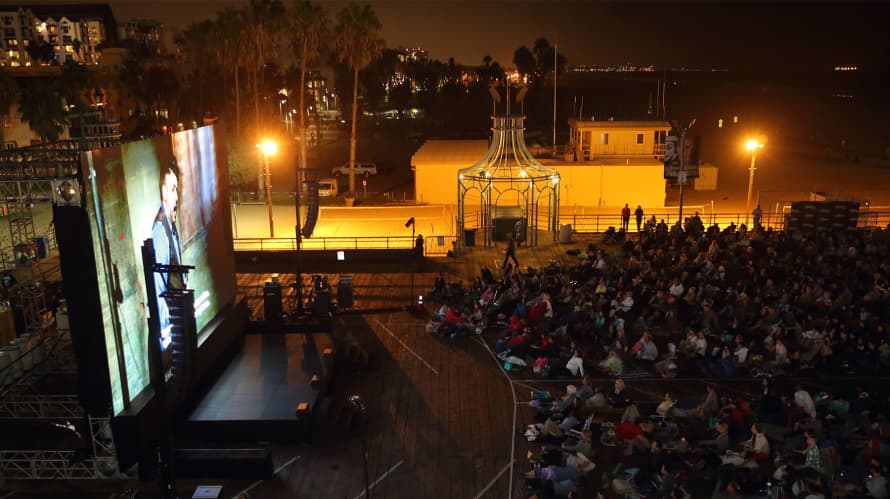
column 752, row 145
column 268, row 148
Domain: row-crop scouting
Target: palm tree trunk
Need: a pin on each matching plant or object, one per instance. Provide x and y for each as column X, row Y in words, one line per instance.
column 237, row 100
column 256, row 107
column 302, row 118
column 352, row 136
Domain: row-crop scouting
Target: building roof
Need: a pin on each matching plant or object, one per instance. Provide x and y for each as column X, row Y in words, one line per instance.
column 97, row 11
column 462, row 152
column 618, row 124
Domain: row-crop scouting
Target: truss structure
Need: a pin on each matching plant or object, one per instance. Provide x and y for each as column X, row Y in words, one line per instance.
column 98, row 461
column 40, row 406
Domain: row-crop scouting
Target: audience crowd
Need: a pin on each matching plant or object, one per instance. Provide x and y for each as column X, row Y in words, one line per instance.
column 697, row 303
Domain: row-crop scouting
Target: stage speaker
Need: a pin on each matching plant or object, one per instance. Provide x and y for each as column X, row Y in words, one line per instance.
column 344, row 292
column 312, row 208
column 272, row 301
column 323, row 302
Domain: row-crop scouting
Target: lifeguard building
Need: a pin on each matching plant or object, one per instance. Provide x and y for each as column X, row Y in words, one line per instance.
column 605, row 164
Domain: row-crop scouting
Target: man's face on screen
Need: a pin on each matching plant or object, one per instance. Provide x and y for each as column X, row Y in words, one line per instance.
column 170, row 195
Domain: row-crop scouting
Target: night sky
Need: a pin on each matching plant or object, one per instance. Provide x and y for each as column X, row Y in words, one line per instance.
column 717, row 34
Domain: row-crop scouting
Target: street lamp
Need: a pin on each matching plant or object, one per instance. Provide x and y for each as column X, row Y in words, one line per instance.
column 752, row 145
column 268, row 148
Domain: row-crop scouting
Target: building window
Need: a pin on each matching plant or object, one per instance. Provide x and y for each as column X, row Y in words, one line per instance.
column 10, row 145
column 604, row 138
column 9, row 32
column 640, row 138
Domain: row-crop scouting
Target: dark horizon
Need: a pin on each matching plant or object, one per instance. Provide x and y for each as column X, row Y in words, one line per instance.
column 719, row 35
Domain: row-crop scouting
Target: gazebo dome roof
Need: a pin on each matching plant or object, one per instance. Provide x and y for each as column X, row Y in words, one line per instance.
column 507, row 158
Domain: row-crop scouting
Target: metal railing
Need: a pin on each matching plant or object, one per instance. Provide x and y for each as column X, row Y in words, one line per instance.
column 595, row 223
column 433, row 245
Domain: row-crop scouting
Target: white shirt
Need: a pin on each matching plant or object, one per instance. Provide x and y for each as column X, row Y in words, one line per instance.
column 576, row 366
column 701, row 346
column 803, row 400
column 676, row 289
column 741, row 354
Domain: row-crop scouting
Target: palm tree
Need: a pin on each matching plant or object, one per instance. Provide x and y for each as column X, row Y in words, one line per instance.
column 261, row 18
column 9, row 93
column 358, row 42
column 75, row 81
column 310, row 25
column 41, row 106
column 229, row 23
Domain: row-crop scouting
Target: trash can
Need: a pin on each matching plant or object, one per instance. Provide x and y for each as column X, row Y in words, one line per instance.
column 565, row 233
column 344, row 291
column 43, row 249
column 470, row 237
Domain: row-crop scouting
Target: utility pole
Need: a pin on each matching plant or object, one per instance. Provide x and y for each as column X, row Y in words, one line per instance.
column 555, row 59
column 682, row 176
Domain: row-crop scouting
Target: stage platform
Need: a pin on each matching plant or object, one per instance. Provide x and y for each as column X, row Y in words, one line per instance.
column 258, row 395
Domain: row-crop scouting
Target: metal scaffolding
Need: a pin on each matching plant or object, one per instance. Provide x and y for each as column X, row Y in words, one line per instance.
column 96, row 461
column 30, row 176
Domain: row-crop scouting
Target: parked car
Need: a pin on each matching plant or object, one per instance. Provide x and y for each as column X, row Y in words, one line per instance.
column 361, row 168
column 327, row 187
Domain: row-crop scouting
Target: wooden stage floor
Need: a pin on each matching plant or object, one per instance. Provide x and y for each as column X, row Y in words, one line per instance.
column 440, row 412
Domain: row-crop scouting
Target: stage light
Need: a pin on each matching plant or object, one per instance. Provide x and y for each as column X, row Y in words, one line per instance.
column 409, row 223
column 66, row 192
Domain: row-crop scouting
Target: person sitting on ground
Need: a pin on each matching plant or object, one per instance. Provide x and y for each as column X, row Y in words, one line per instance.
column 720, row 443
column 758, row 446
column 664, row 408
column 645, row 349
column 812, row 458
column 575, row 365
column 598, row 399
column 612, row 365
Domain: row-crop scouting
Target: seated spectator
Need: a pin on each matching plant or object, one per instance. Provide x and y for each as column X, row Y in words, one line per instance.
column 758, row 445
column 645, row 349
column 612, row 365
column 575, row 365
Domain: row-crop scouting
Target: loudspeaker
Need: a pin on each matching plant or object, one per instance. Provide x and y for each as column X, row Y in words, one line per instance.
column 312, row 208
column 272, row 301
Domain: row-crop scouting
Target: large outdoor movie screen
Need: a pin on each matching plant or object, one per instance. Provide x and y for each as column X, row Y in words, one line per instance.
column 170, row 189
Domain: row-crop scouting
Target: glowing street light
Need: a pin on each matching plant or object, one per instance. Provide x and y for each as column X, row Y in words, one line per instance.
column 268, row 148
column 752, row 145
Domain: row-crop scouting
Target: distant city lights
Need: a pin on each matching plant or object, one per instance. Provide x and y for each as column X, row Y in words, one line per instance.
column 846, row 68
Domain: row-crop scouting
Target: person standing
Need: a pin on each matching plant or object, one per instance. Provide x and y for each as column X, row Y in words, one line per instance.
column 625, row 217
column 758, row 214
column 639, row 214
column 511, row 253
column 520, row 228
column 167, row 246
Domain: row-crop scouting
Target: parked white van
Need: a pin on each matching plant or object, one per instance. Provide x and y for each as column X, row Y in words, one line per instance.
column 327, row 187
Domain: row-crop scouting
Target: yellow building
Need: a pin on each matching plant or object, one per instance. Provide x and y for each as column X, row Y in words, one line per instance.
column 606, row 164
column 603, row 182
column 589, row 139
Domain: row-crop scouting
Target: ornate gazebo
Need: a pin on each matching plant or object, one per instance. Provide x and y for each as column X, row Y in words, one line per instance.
column 510, row 183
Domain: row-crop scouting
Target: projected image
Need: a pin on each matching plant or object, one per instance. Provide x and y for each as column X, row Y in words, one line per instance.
column 166, row 189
